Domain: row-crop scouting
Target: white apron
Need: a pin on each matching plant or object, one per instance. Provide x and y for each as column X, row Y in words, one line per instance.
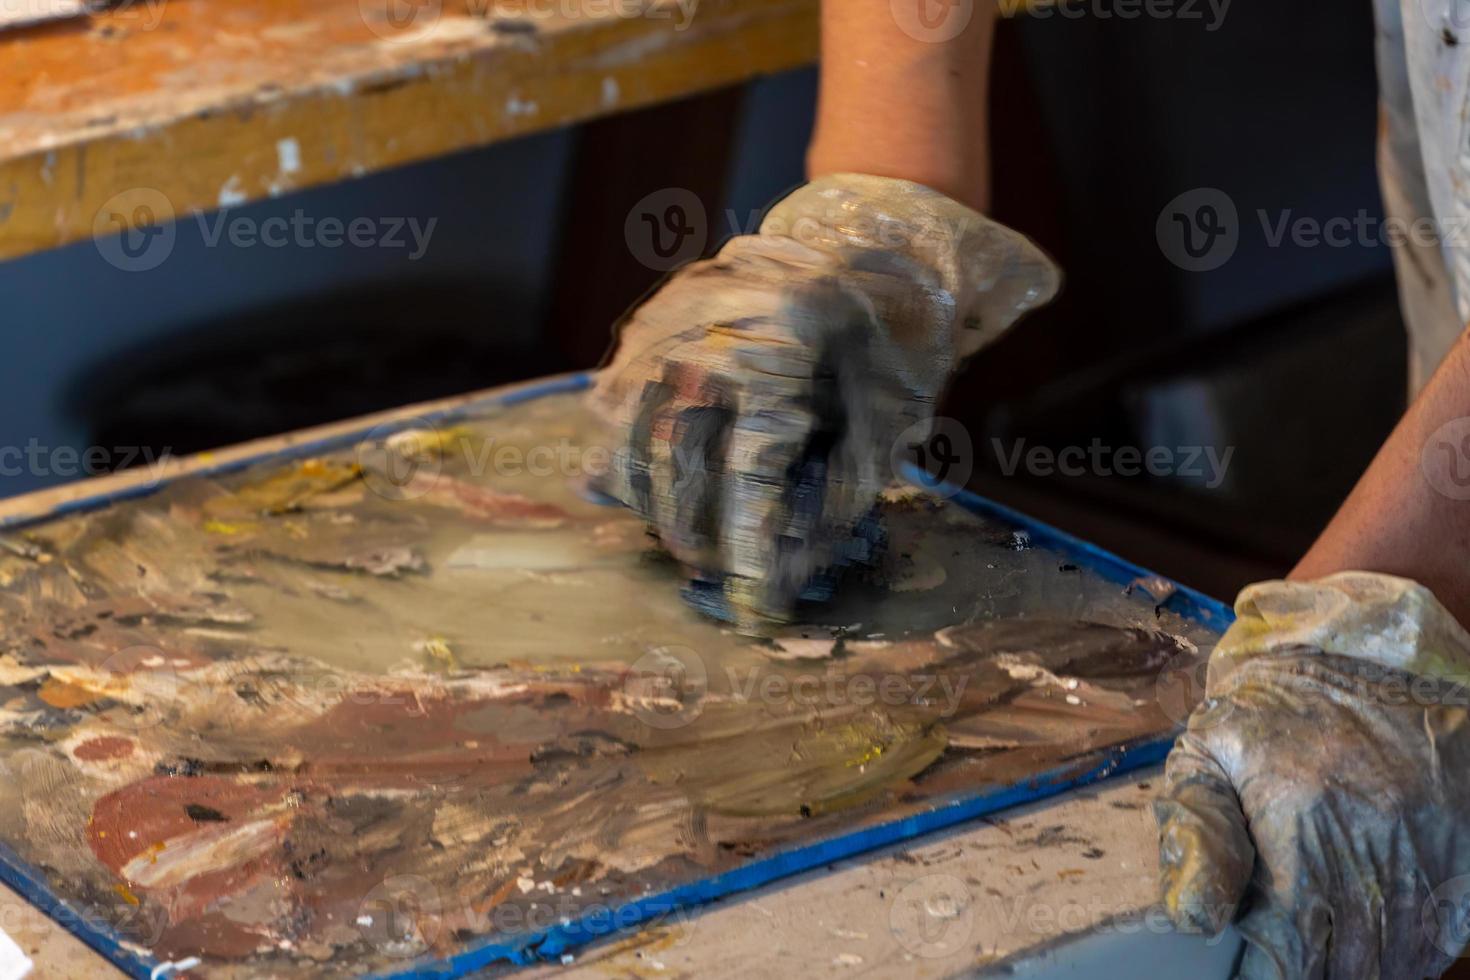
column 1424, row 166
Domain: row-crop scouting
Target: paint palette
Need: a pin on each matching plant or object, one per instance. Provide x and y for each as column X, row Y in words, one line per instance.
column 413, row 705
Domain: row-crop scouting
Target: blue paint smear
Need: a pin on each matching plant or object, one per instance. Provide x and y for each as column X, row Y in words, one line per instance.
column 551, row 944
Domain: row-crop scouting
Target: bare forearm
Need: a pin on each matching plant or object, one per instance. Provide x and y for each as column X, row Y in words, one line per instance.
column 1409, row 515
column 898, row 105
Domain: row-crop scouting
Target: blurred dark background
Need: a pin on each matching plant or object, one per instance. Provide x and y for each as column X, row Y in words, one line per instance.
column 1290, row 358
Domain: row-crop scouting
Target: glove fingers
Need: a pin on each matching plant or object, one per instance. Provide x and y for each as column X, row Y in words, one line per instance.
column 1282, row 945
column 669, row 465
column 1205, row 851
column 768, row 443
column 691, row 482
column 628, row 478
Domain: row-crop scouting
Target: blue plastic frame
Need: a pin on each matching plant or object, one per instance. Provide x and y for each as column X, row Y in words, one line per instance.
column 551, row 944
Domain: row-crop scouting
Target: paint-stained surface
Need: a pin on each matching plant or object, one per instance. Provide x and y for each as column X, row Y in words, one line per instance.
column 347, row 712
column 207, row 104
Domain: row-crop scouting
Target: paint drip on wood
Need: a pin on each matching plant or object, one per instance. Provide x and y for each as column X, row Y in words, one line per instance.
column 338, row 714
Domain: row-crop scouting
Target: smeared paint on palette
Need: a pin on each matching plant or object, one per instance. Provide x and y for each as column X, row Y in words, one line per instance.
column 341, row 714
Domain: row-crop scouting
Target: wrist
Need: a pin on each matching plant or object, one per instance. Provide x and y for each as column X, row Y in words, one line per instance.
column 1391, row 621
column 967, row 182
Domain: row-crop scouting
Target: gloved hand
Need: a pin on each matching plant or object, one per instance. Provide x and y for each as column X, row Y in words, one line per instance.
column 755, row 397
column 1323, row 786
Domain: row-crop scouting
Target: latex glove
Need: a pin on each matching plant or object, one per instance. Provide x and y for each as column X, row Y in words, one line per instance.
column 1323, row 786
column 756, row 396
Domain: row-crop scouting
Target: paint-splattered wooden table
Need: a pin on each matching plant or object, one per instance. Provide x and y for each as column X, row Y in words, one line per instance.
column 1055, row 889
column 212, row 104
column 1056, row 886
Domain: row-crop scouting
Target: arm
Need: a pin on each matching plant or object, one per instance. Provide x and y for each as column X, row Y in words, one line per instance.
column 1320, row 786
column 756, row 398
column 894, row 105
column 1398, row 520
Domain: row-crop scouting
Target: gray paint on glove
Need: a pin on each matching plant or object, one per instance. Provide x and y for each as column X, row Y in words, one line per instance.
column 1322, row 789
column 822, row 338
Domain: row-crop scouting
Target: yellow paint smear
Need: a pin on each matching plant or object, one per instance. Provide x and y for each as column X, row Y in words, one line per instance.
column 228, row 529
column 61, row 694
column 284, row 491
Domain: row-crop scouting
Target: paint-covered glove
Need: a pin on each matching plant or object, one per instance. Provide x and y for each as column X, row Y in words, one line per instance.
column 756, row 396
column 1322, row 790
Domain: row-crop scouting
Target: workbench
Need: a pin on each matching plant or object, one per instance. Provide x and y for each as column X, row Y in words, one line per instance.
column 218, row 104
column 1056, row 888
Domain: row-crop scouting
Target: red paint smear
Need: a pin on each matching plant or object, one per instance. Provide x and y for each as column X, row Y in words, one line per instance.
column 395, row 739
column 153, row 810
column 504, row 509
column 107, row 747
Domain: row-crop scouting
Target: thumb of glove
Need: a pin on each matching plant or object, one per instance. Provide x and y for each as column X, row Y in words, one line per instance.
column 1205, row 851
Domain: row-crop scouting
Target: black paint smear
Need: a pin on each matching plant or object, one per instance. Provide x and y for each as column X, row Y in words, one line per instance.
column 204, row 814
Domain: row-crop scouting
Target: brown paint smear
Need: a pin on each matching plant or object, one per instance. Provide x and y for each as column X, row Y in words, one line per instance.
column 336, row 715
